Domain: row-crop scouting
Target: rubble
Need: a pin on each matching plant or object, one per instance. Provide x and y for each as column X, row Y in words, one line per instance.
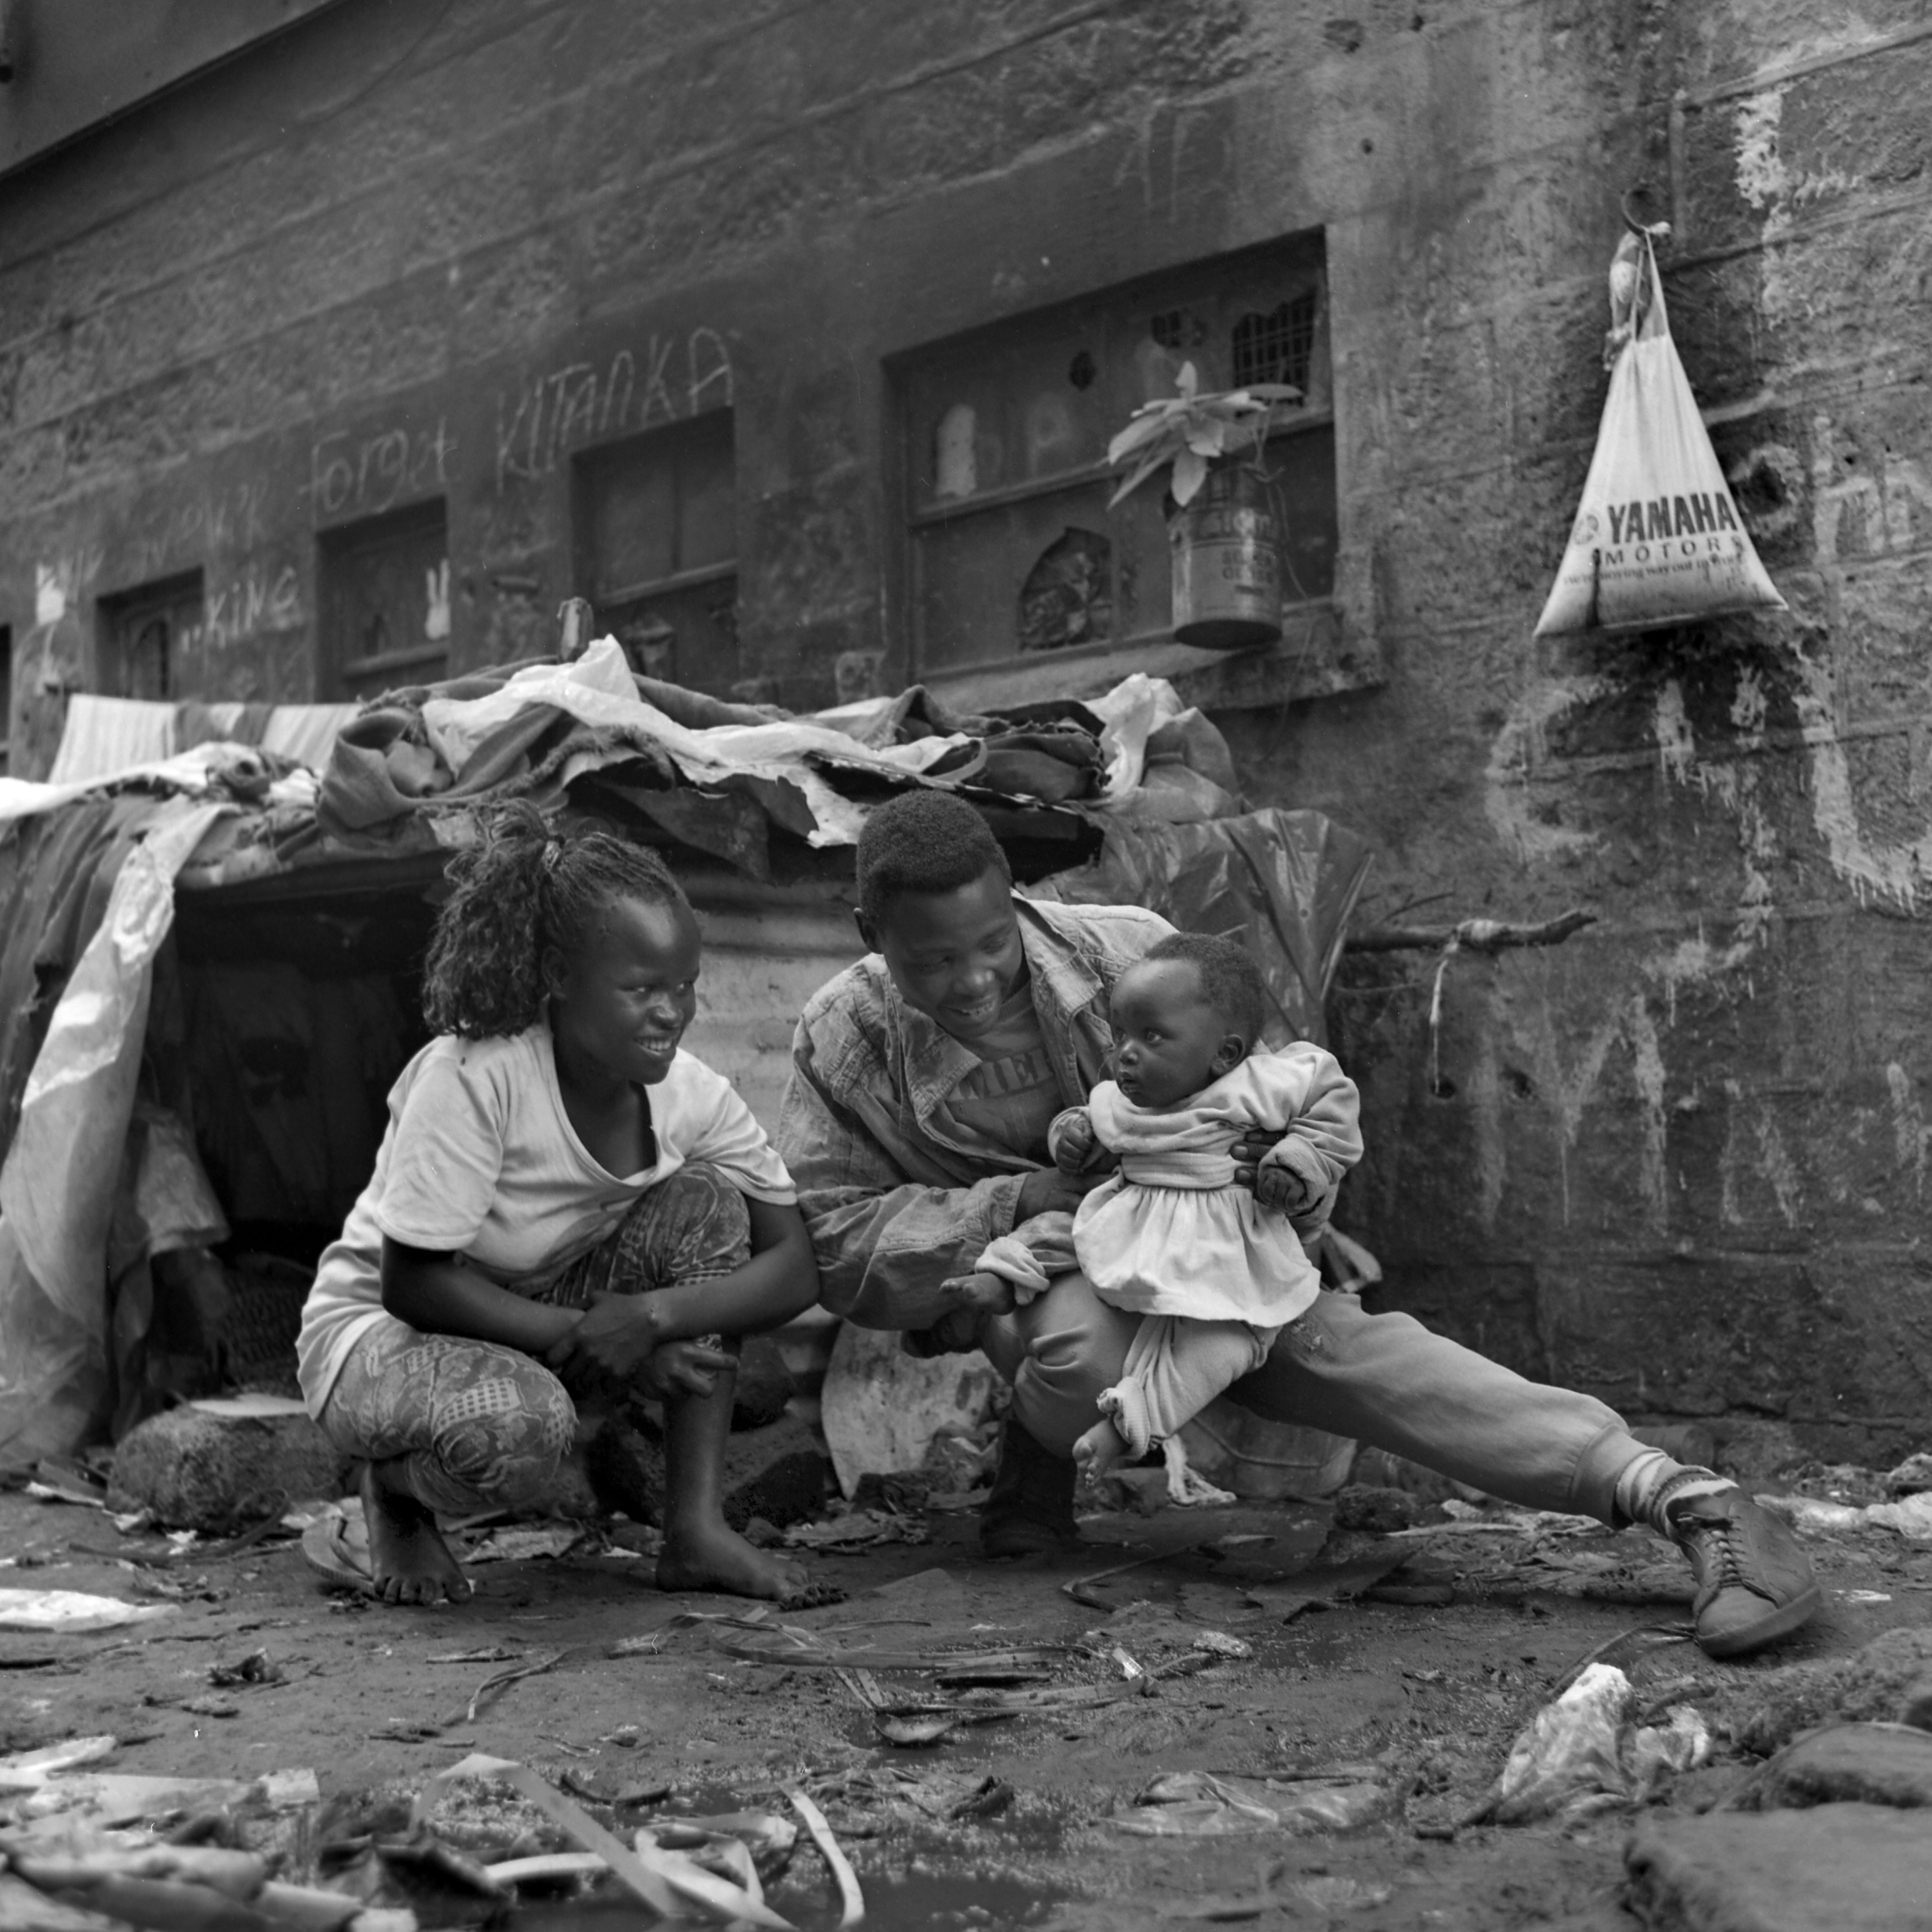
column 213, row 1472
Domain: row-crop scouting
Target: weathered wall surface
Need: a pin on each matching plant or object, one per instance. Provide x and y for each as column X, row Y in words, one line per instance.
column 408, row 251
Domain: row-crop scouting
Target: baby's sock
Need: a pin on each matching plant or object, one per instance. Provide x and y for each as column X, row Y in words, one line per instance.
column 1652, row 1481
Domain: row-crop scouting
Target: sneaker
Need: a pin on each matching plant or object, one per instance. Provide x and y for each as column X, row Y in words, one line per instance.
column 1030, row 1511
column 1754, row 1583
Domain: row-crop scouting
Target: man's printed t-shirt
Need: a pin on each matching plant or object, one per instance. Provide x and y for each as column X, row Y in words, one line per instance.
column 480, row 1160
column 1013, row 1094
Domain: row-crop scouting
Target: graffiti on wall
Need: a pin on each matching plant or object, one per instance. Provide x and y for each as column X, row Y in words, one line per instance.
column 364, row 475
column 540, row 421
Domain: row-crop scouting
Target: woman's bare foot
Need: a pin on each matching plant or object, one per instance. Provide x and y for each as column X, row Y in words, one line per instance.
column 710, row 1555
column 409, row 1562
column 1100, row 1450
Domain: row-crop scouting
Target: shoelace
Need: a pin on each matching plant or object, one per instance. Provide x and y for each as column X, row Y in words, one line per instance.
column 1730, row 1563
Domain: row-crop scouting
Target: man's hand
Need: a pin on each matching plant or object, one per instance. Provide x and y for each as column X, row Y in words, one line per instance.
column 1047, row 1188
column 1284, row 1190
column 1247, row 1153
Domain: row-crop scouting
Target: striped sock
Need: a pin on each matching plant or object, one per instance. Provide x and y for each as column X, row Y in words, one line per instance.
column 1652, row 1481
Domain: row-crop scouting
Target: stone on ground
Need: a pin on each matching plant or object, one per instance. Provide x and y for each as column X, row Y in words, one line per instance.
column 1853, row 1868
column 1872, row 1684
column 778, row 1472
column 764, row 1386
column 1867, row 1764
column 217, row 1473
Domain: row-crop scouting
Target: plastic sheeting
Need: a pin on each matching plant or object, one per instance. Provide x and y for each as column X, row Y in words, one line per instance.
column 1283, row 883
column 58, row 1184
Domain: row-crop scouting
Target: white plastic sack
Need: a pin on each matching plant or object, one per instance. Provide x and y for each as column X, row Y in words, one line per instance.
column 1658, row 539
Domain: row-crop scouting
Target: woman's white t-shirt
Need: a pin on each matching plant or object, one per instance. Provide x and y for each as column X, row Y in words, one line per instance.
column 480, row 1159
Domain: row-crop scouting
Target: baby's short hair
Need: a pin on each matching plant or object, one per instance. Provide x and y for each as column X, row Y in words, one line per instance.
column 1231, row 983
column 924, row 842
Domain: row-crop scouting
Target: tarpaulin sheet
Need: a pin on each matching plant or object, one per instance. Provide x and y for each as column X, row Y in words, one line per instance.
column 57, row 1186
column 1283, row 884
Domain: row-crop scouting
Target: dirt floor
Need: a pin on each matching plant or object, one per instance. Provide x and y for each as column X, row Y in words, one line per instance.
column 1425, row 1695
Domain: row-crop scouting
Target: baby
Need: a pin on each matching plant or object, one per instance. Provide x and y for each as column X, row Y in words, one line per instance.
column 1215, row 1271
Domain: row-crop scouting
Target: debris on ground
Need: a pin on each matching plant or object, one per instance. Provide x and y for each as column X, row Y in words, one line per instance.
column 857, row 1530
column 1580, row 1753
column 1199, row 1804
column 72, row 1613
column 1910, row 1516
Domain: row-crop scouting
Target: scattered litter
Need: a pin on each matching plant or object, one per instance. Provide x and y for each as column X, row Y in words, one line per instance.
column 890, row 1796
column 1199, row 1804
column 512, row 1545
column 212, row 1706
column 72, row 1613
column 109, row 1798
column 1467, row 1518
column 577, row 1823
column 495, row 1654
column 851, row 1900
column 1578, row 1753
column 27, row 1770
column 857, row 1530
column 720, row 1897
column 250, row 1405
column 529, row 1667
column 545, row 1868
column 256, row 1667
column 1339, row 1894
column 1910, row 1516
column 63, row 1479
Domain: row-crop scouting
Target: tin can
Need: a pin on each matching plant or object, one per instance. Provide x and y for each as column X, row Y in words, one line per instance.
column 1225, row 548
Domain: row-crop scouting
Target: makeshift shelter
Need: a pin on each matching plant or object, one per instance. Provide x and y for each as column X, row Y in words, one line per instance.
column 210, row 963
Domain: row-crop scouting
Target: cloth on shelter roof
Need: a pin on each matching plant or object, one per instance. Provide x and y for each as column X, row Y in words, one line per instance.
column 104, row 735
column 599, row 690
column 110, row 737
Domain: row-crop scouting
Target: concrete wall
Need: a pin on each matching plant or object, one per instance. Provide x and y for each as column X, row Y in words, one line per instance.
column 406, row 251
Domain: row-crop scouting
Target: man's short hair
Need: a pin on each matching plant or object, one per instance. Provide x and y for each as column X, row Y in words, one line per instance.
column 924, row 842
column 1231, row 983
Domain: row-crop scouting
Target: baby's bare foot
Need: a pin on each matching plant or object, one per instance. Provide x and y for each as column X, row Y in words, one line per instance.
column 409, row 1562
column 1099, row 1451
column 988, row 1293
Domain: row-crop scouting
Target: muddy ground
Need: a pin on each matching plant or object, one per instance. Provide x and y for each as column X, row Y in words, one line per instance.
column 1430, row 1693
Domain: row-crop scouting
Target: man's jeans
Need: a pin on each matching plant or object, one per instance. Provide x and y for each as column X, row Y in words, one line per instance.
column 1383, row 1379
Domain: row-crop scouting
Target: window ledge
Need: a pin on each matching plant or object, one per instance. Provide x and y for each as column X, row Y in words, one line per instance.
column 1315, row 657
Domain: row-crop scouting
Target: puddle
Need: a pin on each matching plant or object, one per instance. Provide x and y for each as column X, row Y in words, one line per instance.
column 917, row 1901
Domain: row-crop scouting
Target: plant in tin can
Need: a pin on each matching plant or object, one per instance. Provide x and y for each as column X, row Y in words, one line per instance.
column 1191, row 429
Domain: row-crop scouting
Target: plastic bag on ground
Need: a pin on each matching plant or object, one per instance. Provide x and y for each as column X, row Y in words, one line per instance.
column 1657, row 538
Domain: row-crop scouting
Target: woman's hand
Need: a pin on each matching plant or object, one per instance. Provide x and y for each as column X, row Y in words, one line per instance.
column 682, row 1368
column 613, row 1339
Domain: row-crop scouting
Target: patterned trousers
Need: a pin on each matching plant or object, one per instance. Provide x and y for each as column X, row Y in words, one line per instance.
column 484, row 1426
